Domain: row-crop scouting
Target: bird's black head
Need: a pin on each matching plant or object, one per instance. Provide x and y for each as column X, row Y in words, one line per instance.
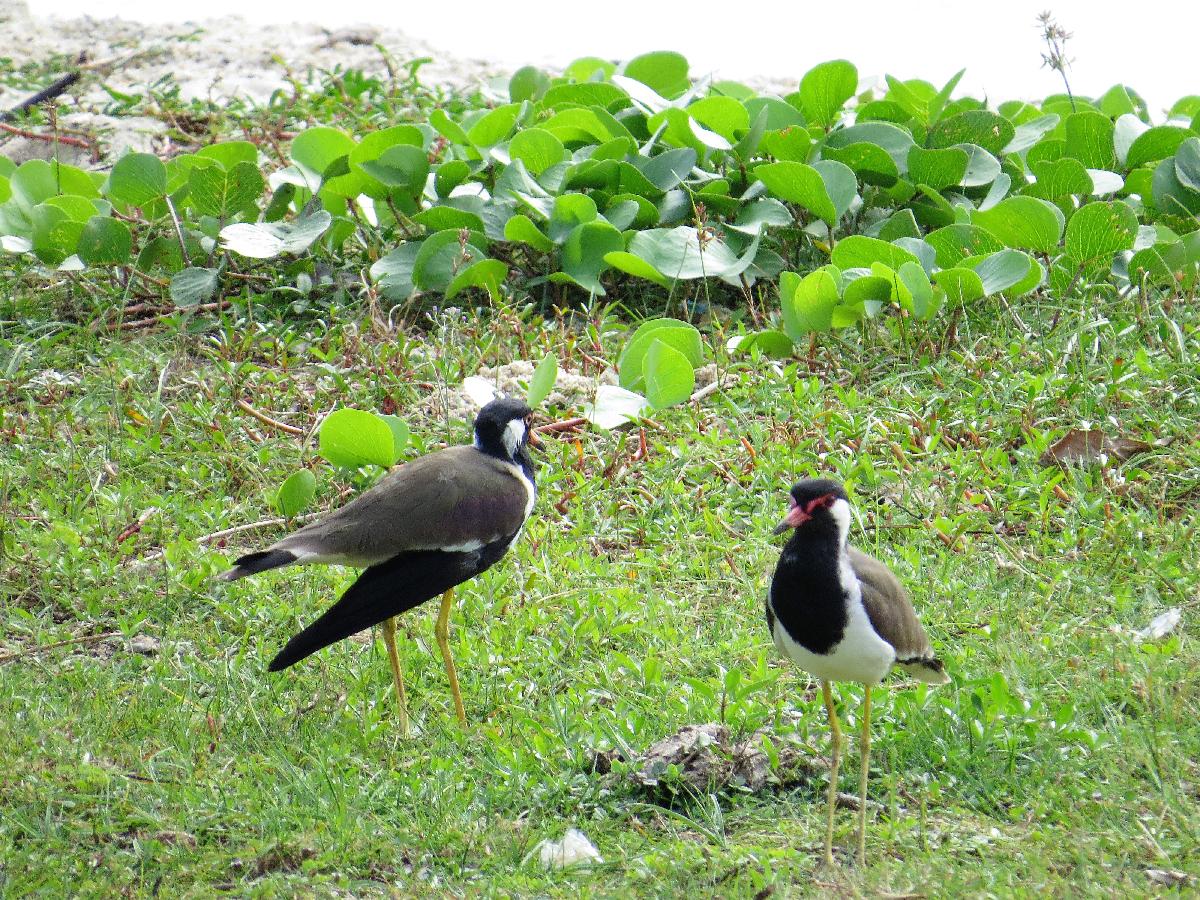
column 816, row 500
column 503, row 428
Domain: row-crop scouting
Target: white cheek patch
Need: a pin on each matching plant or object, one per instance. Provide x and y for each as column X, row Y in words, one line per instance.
column 840, row 510
column 513, row 436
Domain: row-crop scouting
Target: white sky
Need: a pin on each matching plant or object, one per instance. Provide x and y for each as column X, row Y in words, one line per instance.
column 1149, row 45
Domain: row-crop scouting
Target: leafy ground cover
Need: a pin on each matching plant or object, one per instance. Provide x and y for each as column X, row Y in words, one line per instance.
column 146, row 750
column 1062, row 757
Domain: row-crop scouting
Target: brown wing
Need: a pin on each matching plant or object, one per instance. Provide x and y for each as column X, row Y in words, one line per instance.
column 450, row 498
column 889, row 609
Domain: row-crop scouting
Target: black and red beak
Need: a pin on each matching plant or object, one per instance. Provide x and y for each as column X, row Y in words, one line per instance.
column 794, row 519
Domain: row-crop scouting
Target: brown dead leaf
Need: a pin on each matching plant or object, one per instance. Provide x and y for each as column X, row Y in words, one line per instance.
column 1079, row 446
column 706, row 757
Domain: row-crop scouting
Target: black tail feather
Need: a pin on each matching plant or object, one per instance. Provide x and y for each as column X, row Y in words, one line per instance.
column 253, row 563
column 383, row 591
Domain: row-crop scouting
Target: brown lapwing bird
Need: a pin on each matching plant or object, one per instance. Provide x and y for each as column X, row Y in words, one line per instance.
column 842, row 616
column 426, row 527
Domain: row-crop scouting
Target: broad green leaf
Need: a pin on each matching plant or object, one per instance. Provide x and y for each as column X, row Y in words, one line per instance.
column 683, row 337
column 216, row 191
column 583, row 254
column 669, row 168
column 773, row 343
column 520, row 228
column 1187, row 163
column 193, row 286
column 900, row 224
column 918, row 297
column 443, row 256
column 860, row 251
column 678, row 254
column 295, row 493
column 1060, row 178
column 568, row 212
column 636, row 266
column 793, row 144
column 780, row 115
column 450, row 175
column 960, row 285
column 870, row 162
column 895, row 140
column 663, row 71
column 400, row 432
column 1116, row 102
column 937, row 168
column 393, row 272
column 449, row 129
column 494, row 126
column 825, row 88
column 724, row 115
column 136, row 179
column 229, row 153
column 1029, row 133
column 977, row 126
column 317, row 148
column 1089, row 137
column 1170, row 196
column 954, row 243
column 537, row 148
column 578, row 126
column 1003, row 269
column 1023, row 222
column 1100, row 230
column 591, row 93
column 801, row 184
column 105, row 241
column 444, row 217
column 401, row 167
column 982, row 167
column 351, row 438
column 527, row 83
column 33, row 183
column 755, row 216
column 55, row 233
column 588, row 68
column 488, row 274
column 840, row 184
column 78, row 209
column 541, row 383
column 670, row 378
column 869, row 292
column 1155, row 144
column 807, row 303
column 264, row 240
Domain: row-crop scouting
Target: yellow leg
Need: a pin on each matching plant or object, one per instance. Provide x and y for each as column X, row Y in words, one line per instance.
column 865, row 749
column 389, row 638
column 442, row 633
column 835, row 737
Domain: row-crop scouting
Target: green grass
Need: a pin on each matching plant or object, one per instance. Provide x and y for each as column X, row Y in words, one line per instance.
column 1061, row 760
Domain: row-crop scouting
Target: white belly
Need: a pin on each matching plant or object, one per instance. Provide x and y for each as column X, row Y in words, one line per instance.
column 861, row 655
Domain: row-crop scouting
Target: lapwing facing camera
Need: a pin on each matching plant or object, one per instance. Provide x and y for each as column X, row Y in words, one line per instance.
column 426, row 527
column 842, row 616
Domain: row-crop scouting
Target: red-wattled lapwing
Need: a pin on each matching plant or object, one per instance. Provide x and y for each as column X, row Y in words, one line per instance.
column 842, row 616
column 425, row 528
